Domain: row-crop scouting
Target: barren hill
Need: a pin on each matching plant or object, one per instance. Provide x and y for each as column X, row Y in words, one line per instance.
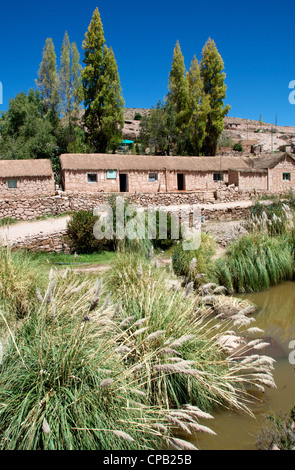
column 267, row 137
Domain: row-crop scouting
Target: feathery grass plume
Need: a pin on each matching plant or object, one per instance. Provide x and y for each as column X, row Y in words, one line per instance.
column 77, row 360
column 207, row 373
column 45, row 427
column 50, row 289
column 140, row 332
column 122, row 350
column 123, row 435
column 189, row 289
column 140, row 271
column 126, row 322
column 39, row 295
column 139, row 322
column 193, row 264
column 181, row 444
column 219, row 290
column 155, row 335
column 107, row 383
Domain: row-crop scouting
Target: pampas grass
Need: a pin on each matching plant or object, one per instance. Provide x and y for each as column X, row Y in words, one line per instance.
column 190, row 359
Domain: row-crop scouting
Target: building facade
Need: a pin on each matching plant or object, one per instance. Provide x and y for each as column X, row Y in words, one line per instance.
column 26, row 178
column 145, row 174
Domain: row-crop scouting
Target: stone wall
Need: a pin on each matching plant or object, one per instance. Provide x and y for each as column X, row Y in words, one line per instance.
column 25, row 186
column 33, row 208
column 53, row 243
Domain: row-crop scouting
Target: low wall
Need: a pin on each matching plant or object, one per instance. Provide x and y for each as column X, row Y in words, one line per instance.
column 53, row 243
column 32, row 208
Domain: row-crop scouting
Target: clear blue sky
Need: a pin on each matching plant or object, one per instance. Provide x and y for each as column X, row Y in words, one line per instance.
column 256, row 40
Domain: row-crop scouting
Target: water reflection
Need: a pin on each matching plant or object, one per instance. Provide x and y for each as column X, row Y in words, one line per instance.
column 276, row 316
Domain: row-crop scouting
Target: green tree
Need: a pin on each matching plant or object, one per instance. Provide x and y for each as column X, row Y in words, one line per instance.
column 65, row 77
column 71, row 92
column 113, row 112
column 178, row 95
column 26, row 130
column 48, row 80
column 212, row 67
column 199, row 108
column 76, row 71
column 158, row 129
column 98, row 78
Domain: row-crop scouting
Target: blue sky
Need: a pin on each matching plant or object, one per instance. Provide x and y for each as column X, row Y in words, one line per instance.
column 255, row 39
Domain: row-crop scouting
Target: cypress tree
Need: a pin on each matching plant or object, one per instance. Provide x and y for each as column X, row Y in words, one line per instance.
column 212, row 67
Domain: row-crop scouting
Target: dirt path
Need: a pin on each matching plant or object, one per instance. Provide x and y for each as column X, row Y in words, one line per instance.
column 26, row 229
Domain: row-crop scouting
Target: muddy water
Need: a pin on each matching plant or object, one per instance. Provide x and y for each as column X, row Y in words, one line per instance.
column 276, row 316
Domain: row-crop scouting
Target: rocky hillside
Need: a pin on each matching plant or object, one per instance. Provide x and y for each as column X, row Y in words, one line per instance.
column 264, row 137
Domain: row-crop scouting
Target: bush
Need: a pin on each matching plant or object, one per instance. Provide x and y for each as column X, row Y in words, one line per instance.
column 137, row 117
column 256, row 262
column 238, row 147
column 196, row 265
column 80, row 235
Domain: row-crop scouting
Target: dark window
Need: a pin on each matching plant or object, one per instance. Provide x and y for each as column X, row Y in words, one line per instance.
column 92, row 178
column 218, row 177
column 287, row 176
column 153, row 177
column 12, row 184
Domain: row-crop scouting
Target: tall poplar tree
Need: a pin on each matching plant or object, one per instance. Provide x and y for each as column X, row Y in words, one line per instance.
column 212, row 67
column 76, row 77
column 71, row 92
column 199, row 107
column 65, row 77
column 178, row 94
column 48, row 81
column 97, row 78
column 113, row 112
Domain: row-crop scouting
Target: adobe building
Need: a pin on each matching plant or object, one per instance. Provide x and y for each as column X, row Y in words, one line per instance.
column 145, row 174
column 272, row 173
column 26, row 178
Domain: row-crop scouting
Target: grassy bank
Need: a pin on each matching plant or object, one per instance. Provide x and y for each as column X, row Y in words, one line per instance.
column 256, row 261
column 121, row 363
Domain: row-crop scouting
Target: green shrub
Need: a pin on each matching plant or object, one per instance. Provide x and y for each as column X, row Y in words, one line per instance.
column 196, row 265
column 80, row 237
column 238, row 147
column 256, row 262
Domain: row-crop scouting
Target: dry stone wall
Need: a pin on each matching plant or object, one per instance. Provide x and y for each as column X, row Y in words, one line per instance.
column 34, row 208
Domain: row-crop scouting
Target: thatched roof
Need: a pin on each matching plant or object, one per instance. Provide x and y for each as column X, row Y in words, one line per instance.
column 96, row 162
column 25, row 168
column 269, row 161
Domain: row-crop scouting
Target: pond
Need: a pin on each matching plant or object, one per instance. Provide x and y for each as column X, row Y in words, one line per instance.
column 276, row 316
